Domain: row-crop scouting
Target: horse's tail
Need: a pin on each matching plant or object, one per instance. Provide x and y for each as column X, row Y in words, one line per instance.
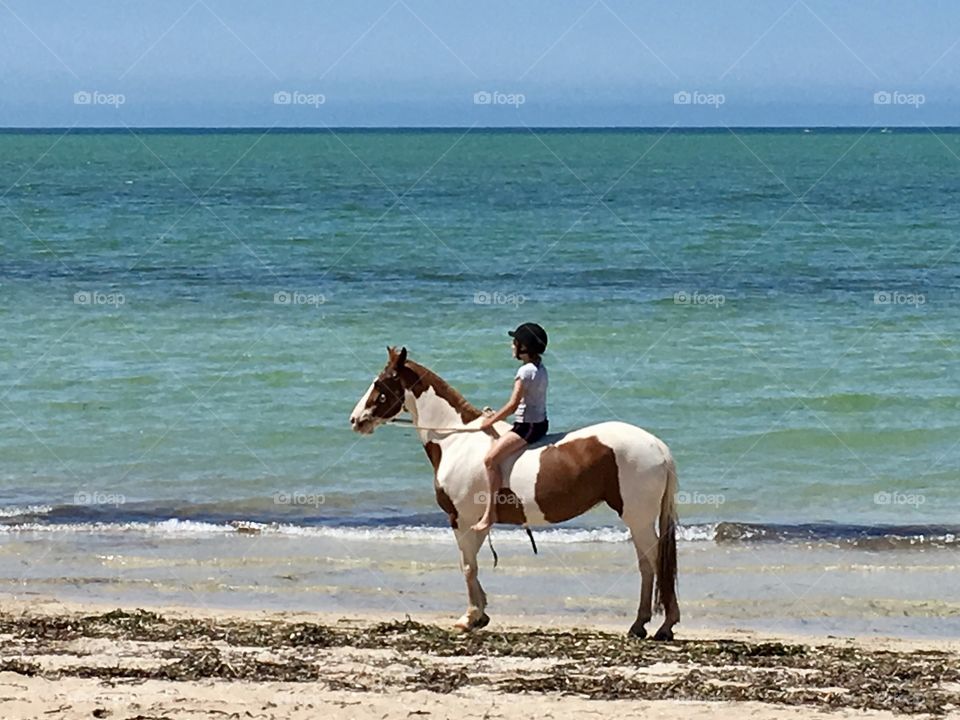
column 666, row 586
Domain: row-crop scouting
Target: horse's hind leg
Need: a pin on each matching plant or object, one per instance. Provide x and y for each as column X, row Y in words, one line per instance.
column 470, row 543
column 645, row 542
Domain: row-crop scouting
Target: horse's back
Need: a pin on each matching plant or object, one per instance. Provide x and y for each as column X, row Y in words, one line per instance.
column 565, row 474
column 629, row 442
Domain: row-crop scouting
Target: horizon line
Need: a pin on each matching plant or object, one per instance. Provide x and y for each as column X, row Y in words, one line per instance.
column 455, row 128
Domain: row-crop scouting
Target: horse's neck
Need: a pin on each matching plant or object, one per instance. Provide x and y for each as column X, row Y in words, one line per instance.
column 432, row 411
column 438, row 405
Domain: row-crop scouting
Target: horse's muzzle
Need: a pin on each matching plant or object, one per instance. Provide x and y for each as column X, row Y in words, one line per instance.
column 362, row 425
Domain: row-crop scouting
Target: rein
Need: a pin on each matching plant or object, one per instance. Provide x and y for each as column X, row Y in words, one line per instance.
column 404, row 421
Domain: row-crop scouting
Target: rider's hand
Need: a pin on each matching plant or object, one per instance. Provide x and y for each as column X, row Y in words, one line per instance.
column 486, row 423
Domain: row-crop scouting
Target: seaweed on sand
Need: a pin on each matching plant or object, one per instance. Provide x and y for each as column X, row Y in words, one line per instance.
column 587, row 663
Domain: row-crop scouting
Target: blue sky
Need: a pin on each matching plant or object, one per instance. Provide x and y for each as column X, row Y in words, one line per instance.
column 453, row 63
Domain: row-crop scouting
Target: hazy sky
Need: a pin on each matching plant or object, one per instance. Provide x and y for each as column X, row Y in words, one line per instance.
column 447, row 62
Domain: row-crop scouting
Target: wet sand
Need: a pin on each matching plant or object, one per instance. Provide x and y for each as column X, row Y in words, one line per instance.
column 80, row 661
column 778, row 588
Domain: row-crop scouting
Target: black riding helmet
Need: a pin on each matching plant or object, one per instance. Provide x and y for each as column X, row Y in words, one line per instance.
column 531, row 336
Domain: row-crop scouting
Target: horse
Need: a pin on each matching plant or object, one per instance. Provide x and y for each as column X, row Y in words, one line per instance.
column 555, row 479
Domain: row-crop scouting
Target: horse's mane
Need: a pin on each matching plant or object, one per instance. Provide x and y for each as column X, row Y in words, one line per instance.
column 427, row 378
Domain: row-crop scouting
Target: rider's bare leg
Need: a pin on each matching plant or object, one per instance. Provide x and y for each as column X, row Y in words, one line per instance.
column 501, row 448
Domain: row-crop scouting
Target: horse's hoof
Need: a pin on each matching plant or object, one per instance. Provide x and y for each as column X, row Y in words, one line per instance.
column 480, row 622
column 664, row 634
column 638, row 631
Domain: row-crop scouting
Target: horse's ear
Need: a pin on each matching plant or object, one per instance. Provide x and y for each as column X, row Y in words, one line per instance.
column 401, row 358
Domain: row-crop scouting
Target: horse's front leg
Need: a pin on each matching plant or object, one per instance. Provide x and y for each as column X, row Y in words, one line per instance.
column 470, row 543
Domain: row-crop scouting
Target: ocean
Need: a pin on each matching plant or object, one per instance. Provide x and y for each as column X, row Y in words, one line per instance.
column 189, row 317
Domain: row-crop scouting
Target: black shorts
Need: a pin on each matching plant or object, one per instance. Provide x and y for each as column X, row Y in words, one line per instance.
column 531, row 432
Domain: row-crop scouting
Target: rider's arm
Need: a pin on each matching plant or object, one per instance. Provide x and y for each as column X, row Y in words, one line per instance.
column 511, row 405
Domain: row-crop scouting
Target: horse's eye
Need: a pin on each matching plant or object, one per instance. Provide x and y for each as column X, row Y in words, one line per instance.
column 381, row 398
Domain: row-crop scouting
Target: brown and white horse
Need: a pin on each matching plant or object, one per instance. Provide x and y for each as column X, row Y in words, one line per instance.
column 558, row 478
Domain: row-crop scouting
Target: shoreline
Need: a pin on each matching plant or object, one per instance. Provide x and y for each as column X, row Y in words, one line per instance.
column 78, row 659
column 161, row 522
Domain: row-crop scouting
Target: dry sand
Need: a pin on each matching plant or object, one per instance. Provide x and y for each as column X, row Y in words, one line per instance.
column 72, row 661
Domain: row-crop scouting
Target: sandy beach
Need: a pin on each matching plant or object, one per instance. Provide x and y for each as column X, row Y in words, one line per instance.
column 81, row 661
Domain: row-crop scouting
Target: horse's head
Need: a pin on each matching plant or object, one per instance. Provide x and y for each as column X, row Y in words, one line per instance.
column 383, row 400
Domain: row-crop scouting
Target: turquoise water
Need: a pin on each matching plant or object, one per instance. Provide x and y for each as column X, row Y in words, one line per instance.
column 788, row 389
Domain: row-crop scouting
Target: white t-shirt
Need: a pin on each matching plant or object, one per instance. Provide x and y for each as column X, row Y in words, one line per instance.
column 533, row 403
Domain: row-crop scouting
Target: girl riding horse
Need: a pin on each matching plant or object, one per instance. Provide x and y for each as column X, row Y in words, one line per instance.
column 528, row 403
